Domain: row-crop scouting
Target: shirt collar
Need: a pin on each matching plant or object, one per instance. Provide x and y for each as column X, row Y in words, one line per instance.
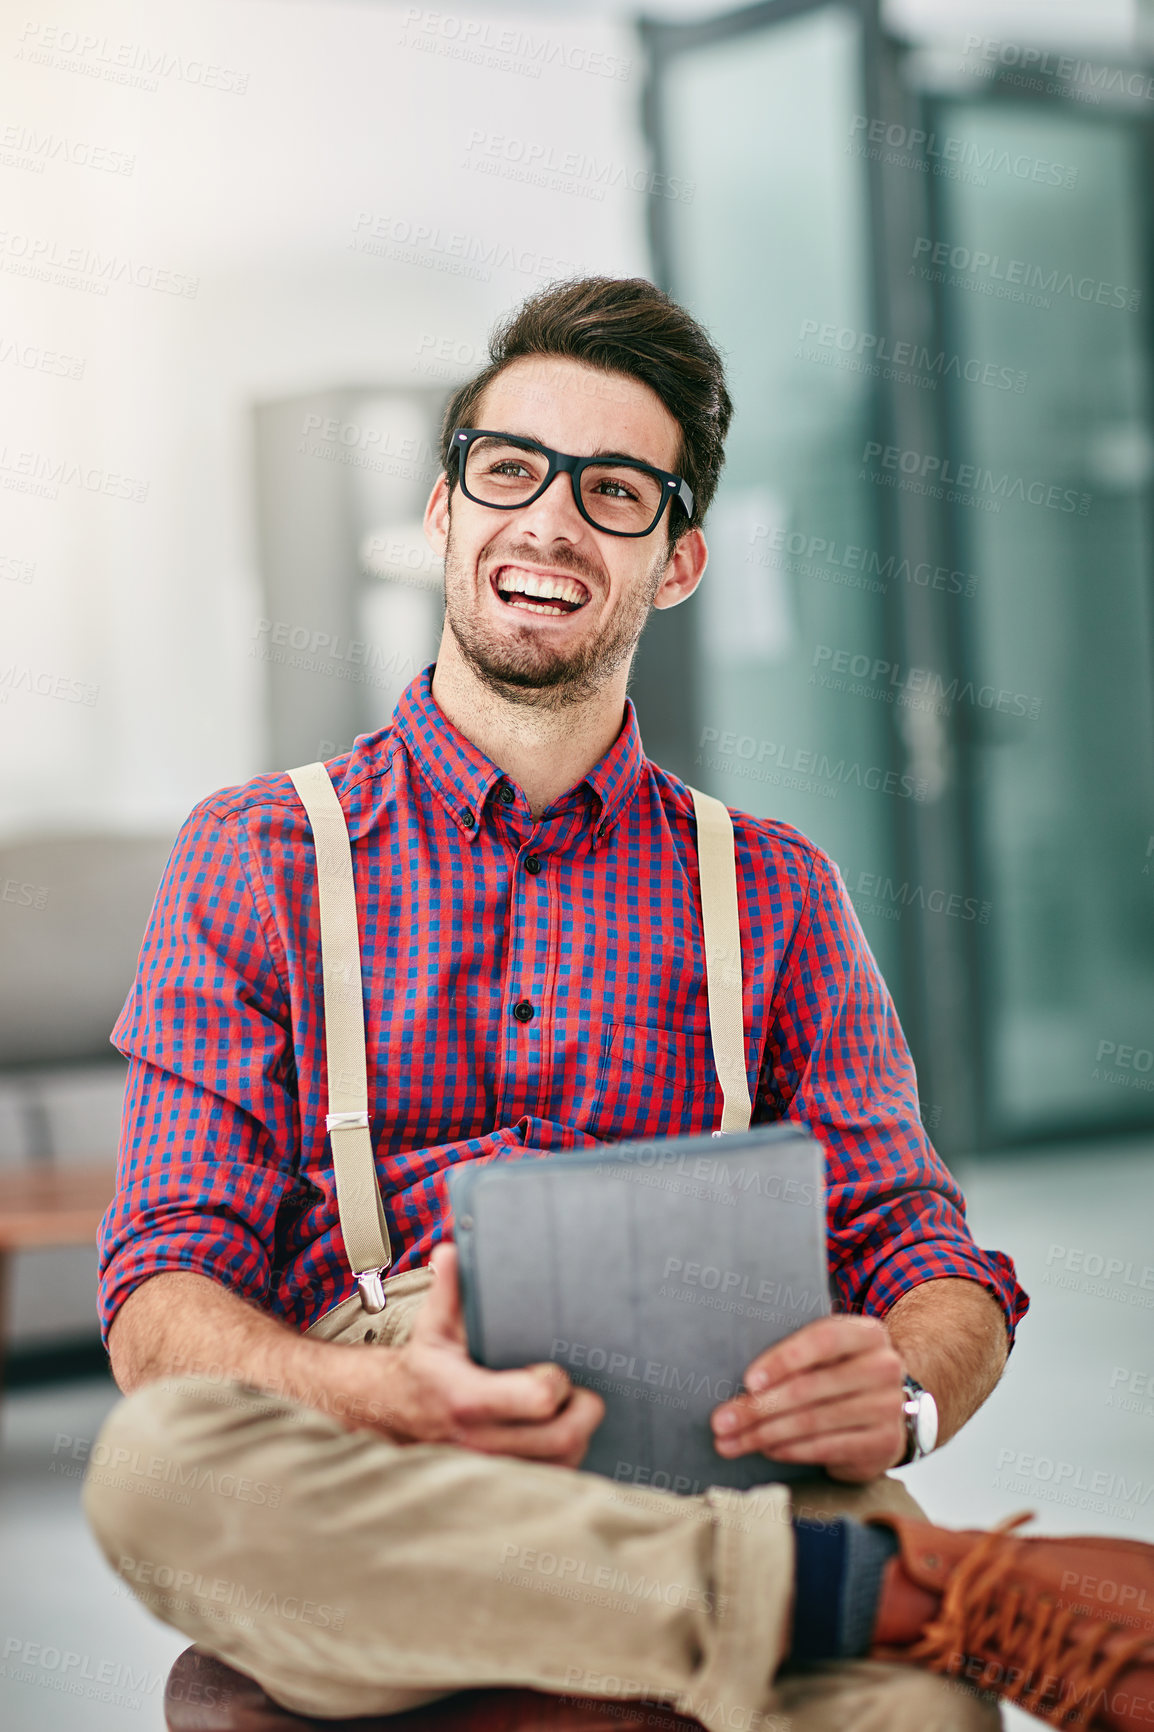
column 463, row 778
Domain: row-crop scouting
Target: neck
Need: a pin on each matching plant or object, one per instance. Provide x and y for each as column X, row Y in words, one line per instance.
column 545, row 747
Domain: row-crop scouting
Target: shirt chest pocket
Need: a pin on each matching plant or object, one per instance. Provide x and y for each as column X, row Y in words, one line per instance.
column 654, row 1082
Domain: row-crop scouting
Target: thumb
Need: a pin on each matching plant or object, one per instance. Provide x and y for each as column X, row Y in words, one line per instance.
column 440, row 1316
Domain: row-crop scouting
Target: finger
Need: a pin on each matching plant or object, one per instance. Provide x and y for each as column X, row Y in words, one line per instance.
column 473, row 1395
column 865, row 1408
column 851, row 1455
column 879, row 1371
column 439, row 1317
column 563, row 1439
column 816, row 1343
column 827, row 1340
column 434, row 1395
column 837, row 1384
column 865, row 1412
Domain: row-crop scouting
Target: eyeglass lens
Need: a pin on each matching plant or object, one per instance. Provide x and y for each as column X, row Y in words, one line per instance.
column 616, row 495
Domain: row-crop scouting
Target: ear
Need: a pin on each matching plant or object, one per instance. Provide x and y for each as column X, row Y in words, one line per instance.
column 687, row 562
column 437, row 517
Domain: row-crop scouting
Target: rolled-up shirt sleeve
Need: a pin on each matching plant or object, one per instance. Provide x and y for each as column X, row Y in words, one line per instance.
column 839, row 1063
column 210, row 1127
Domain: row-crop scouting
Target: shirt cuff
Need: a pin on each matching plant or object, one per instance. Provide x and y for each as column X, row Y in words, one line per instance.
column 940, row 1259
column 131, row 1267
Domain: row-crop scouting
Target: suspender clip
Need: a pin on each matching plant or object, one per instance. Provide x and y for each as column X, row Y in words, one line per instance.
column 372, row 1290
column 346, row 1122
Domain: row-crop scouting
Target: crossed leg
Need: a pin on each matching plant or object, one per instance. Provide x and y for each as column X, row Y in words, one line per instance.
column 351, row 1576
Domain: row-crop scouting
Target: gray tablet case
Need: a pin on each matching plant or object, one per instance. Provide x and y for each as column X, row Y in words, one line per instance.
column 654, row 1273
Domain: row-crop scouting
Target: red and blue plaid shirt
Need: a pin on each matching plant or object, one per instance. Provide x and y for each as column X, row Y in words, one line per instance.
column 469, row 907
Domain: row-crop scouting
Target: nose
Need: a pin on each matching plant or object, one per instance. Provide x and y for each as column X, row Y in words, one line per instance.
column 553, row 516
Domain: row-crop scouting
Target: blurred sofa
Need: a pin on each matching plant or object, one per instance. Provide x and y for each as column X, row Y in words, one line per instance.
column 73, row 910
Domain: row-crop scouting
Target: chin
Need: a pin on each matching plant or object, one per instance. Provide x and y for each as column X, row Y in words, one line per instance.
column 542, row 675
column 512, row 668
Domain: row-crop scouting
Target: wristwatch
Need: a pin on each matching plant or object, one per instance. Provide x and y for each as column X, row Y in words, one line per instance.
column 921, row 1417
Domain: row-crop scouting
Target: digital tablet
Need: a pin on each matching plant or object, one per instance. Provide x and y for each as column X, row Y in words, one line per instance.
column 655, row 1273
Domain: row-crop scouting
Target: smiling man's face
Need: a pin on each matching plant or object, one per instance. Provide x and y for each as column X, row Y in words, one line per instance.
column 545, row 608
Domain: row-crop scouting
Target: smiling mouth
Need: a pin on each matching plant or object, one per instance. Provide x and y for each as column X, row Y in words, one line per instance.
column 535, row 592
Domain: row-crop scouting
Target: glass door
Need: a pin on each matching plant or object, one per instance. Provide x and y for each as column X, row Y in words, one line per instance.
column 925, row 634
column 1039, row 257
column 792, row 716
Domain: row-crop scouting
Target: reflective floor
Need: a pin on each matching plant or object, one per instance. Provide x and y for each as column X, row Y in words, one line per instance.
column 1069, row 1434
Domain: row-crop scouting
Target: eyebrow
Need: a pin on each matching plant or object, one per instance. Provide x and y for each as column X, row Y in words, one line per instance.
column 605, row 455
column 626, row 457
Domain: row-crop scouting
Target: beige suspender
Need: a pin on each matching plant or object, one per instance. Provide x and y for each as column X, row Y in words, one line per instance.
column 717, row 870
column 358, row 1193
column 347, row 1122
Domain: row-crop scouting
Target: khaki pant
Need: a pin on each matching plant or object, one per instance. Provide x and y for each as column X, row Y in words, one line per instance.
column 349, row 1575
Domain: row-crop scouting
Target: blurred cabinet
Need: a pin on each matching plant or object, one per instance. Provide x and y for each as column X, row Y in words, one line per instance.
column 351, row 591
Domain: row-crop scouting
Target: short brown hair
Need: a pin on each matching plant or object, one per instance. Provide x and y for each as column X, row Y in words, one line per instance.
column 620, row 325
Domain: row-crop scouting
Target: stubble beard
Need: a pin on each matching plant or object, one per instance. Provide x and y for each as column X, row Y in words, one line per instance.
column 522, row 668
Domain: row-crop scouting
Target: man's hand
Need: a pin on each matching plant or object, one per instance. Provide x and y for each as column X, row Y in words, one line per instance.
column 830, row 1394
column 177, row 1324
column 430, row 1391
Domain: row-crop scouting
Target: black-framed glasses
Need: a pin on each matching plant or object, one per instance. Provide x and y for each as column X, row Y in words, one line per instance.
column 616, row 494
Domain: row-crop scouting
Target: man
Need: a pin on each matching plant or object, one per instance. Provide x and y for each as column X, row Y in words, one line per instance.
column 527, row 901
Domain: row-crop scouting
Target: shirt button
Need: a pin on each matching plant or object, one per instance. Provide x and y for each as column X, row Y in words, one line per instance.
column 523, row 1011
column 468, row 819
column 532, row 864
column 601, row 828
column 505, row 794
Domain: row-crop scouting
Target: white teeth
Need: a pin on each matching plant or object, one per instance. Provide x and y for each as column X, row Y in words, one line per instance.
column 547, row 588
column 534, row 607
